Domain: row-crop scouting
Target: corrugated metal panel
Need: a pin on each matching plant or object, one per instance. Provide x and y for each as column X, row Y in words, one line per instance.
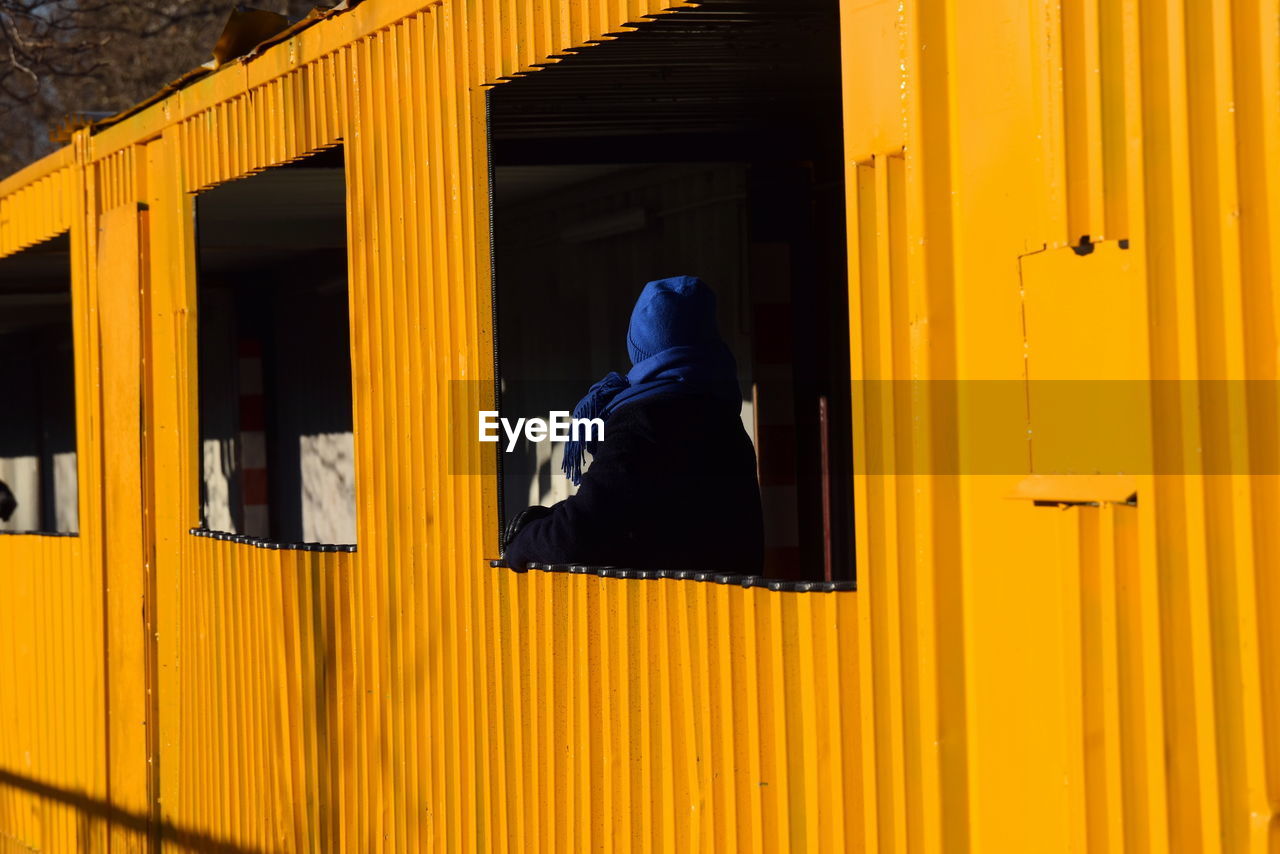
column 37, row 211
column 669, row 715
column 264, row 752
column 403, row 733
column 1009, row 649
column 1113, row 684
column 51, row 695
column 53, row 752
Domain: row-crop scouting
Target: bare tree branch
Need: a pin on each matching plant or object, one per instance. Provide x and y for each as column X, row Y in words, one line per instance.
column 68, row 57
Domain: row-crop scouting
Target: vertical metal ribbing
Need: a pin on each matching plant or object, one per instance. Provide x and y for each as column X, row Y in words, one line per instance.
column 415, row 739
column 284, row 672
column 469, row 542
column 557, row 705
column 1181, row 535
column 52, row 656
column 1138, row 668
column 1256, row 43
column 37, row 211
column 1082, row 107
column 445, row 768
column 1216, row 197
column 800, row 660
column 495, row 711
column 409, row 41
column 724, row 705
column 515, row 696
column 380, row 296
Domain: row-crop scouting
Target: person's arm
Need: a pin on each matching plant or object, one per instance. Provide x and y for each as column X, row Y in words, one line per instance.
column 581, row 528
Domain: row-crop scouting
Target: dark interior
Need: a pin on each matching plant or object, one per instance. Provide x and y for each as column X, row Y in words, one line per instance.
column 706, row 142
column 275, row 355
column 37, row 389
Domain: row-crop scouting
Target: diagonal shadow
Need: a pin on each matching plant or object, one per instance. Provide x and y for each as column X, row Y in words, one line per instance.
column 192, row 840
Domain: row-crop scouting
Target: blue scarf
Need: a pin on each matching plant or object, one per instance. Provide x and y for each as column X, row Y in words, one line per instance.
column 669, row 311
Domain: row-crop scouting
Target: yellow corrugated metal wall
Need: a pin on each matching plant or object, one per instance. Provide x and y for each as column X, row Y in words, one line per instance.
column 1009, row 677
column 52, row 632
column 409, row 696
column 1097, row 678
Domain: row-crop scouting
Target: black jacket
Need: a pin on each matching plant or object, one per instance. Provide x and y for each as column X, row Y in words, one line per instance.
column 671, row 486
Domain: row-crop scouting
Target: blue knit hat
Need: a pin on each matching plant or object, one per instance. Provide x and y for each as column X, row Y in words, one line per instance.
column 675, row 312
column 675, row 348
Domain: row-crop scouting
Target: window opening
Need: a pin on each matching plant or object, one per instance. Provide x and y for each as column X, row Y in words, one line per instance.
column 275, row 413
column 702, row 143
column 38, row 390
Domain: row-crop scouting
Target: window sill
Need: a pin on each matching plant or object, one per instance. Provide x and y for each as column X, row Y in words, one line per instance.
column 774, row 584
column 271, row 544
column 40, row 533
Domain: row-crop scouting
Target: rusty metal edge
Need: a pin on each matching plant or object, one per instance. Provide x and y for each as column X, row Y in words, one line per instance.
column 313, row 17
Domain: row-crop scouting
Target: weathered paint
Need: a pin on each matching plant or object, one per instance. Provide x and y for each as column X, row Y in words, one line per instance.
column 1008, row 678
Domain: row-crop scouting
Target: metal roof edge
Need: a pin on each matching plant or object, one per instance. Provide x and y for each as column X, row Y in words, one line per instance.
column 316, row 15
column 344, row 24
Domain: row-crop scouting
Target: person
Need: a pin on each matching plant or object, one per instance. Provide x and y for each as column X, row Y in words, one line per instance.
column 672, row 483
